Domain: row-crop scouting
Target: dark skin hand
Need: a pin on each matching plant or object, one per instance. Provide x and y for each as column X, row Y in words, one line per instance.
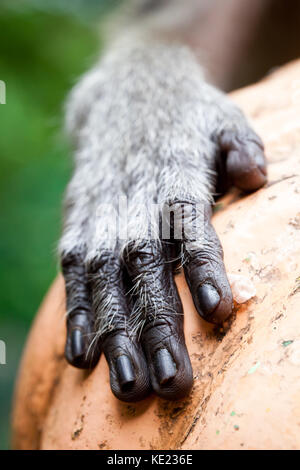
column 157, row 360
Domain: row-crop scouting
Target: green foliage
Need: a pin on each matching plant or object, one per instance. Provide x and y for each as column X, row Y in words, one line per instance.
column 41, row 55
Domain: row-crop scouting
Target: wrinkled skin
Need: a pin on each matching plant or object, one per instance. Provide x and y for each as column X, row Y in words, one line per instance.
column 156, row 359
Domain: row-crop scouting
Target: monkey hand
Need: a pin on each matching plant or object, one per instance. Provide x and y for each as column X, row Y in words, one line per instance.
column 152, row 139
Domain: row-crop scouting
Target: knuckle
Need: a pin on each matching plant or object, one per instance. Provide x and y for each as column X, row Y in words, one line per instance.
column 70, row 259
column 237, row 138
column 104, row 270
column 142, row 257
column 208, row 255
column 115, row 343
column 107, row 261
column 183, row 219
column 76, row 281
column 158, row 331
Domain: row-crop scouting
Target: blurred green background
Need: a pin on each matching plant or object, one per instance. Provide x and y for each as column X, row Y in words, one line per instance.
column 44, row 47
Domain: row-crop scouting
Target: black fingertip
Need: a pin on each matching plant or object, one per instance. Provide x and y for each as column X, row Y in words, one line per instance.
column 165, row 367
column 209, row 299
column 77, row 343
column 125, row 371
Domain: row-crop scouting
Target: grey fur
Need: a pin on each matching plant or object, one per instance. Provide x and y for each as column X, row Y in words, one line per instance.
column 145, row 125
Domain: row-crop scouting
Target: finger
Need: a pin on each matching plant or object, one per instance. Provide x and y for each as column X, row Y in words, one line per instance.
column 245, row 163
column 158, row 313
column 129, row 378
column 80, row 320
column 205, row 274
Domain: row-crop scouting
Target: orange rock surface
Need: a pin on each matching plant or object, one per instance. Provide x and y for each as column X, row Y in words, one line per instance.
column 246, row 391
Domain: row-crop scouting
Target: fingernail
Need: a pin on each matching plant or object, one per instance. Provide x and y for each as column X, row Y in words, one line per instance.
column 77, row 343
column 125, row 371
column 209, row 299
column 165, row 367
